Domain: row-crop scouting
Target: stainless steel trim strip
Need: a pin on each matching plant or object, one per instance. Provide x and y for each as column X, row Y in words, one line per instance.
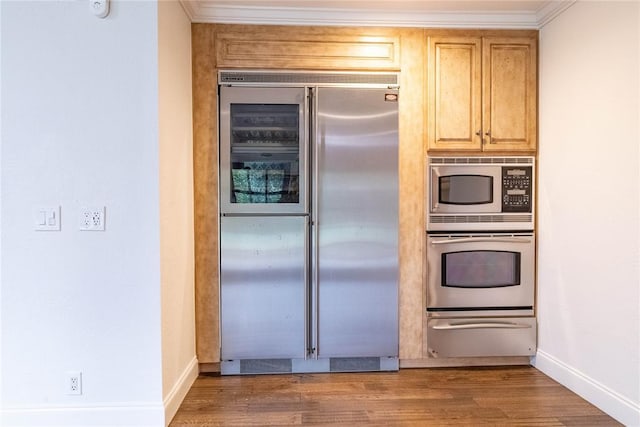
column 477, row 218
column 487, row 239
column 248, row 77
column 481, row 160
column 261, row 214
column 479, row 313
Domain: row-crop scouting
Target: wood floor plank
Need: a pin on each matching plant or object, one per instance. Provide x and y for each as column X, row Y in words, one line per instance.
column 496, row 396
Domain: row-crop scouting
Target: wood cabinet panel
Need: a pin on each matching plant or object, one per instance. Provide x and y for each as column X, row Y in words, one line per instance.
column 411, row 189
column 482, row 94
column 205, row 169
column 510, row 116
column 307, row 48
column 454, row 108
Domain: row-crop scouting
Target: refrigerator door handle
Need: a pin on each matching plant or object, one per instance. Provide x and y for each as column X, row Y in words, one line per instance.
column 308, row 261
column 309, row 122
column 307, row 282
column 317, row 142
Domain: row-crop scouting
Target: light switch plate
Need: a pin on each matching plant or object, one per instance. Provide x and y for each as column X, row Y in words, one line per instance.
column 46, row 218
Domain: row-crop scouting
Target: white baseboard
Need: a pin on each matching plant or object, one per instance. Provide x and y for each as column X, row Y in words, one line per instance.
column 607, row 400
column 133, row 414
column 127, row 415
column 176, row 395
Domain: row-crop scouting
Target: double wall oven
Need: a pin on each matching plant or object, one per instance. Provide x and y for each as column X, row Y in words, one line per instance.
column 480, row 256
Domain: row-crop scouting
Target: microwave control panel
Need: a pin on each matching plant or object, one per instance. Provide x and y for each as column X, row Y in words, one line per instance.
column 516, row 188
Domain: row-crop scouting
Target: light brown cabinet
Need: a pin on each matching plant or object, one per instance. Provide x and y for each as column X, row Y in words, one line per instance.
column 482, row 93
column 461, row 73
column 306, row 48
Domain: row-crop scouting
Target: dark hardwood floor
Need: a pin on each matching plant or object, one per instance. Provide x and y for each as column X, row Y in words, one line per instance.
column 498, row 396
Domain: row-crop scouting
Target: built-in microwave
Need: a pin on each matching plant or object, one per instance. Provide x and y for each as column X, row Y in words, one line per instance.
column 480, row 193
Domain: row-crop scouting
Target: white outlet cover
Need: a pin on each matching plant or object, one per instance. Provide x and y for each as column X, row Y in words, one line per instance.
column 91, row 218
column 74, row 383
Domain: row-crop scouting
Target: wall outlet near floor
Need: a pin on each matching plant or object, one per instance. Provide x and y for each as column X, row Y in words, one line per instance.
column 74, row 382
column 92, row 218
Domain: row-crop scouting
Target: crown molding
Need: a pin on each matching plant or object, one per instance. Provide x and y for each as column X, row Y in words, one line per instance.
column 549, row 11
column 200, row 11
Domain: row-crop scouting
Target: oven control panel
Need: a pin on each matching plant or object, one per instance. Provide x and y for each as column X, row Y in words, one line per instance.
column 516, row 188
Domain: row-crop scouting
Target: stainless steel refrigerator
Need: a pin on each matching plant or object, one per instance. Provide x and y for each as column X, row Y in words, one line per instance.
column 309, row 221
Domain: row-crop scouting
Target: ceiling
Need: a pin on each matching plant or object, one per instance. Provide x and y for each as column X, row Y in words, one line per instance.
column 397, row 13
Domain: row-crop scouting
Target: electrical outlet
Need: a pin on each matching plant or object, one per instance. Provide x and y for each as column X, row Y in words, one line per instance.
column 92, row 218
column 74, row 382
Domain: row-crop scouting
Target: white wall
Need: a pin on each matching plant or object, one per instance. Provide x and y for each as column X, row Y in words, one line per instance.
column 179, row 364
column 589, row 210
column 80, row 125
column 1, row 388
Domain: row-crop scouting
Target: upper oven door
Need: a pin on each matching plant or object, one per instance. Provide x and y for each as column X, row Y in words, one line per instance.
column 481, row 272
column 465, row 189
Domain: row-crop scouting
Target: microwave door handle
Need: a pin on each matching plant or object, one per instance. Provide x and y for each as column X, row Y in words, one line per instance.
column 482, row 240
column 481, row 325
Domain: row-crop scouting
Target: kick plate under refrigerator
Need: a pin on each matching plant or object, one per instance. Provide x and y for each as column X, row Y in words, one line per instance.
column 309, row 222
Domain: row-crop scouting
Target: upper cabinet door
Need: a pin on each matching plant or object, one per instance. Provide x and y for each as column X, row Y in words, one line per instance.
column 482, row 94
column 306, row 48
column 509, row 94
column 454, row 109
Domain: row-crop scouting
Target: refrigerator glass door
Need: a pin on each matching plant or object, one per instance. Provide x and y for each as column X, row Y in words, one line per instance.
column 262, row 276
column 263, row 150
column 356, row 222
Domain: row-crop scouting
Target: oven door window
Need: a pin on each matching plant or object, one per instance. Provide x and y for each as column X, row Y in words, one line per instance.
column 480, row 269
column 465, row 189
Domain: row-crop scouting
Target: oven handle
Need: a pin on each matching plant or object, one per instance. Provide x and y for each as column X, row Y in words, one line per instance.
column 482, row 240
column 485, row 325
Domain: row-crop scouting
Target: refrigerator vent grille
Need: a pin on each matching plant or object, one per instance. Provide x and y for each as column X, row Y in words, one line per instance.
column 479, row 160
column 247, row 77
column 354, row 364
column 265, row 366
column 466, row 219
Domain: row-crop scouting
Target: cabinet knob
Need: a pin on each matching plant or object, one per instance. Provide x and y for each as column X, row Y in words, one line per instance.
column 479, row 133
column 488, row 135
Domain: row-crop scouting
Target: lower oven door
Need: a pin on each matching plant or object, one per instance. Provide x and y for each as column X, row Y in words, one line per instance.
column 481, row 274
column 481, row 337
